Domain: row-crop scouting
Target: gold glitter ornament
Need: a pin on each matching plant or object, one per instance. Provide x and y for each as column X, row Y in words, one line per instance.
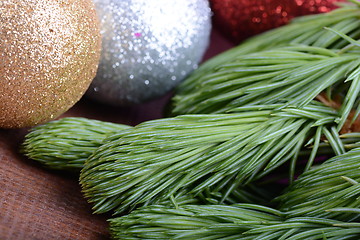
column 49, row 54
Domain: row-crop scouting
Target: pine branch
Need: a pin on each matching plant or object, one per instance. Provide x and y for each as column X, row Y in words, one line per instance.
column 307, row 30
column 239, row 221
column 66, row 143
column 224, row 81
column 333, row 184
column 192, row 221
column 151, row 162
column 321, row 204
column 295, row 74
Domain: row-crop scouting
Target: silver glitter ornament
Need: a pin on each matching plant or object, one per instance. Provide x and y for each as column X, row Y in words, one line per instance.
column 148, row 47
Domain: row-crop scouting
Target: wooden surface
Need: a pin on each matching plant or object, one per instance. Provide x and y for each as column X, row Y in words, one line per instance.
column 36, row 203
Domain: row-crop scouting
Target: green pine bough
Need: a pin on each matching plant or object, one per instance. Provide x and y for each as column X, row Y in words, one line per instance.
column 240, row 221
column 151, row 162
column 297, row 74
column 66, row 143
column 233, row 77
column 192, row 222
column 334, row 184
column 322, row 204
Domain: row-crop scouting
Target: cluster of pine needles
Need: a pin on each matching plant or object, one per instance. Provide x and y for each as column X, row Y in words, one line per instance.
column 261, row 142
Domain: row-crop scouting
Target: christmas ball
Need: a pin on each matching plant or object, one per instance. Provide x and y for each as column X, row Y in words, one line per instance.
column 49, row 52
column 240, row 19
column 148, row 47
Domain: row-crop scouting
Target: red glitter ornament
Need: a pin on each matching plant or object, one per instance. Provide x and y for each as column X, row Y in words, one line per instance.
column 240, row 19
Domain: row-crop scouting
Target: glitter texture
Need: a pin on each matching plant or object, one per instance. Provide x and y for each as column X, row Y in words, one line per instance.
column 240, row 19
column 148, row 47
column 49, row 52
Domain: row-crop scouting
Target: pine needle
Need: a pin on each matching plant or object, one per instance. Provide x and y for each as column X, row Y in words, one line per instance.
column 331, row 185
column 246, row 74
column 255, row 79
column 323, row 203
column 239, row 221
column 149, row 163
column 192, row 222
column 66, row 143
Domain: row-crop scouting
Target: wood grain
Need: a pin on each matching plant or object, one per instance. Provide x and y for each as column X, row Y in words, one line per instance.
column 40, row 204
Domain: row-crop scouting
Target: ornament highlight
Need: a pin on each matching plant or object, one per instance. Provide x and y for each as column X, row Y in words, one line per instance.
column 240, row 19
column 49, row 52
column 148, row 47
